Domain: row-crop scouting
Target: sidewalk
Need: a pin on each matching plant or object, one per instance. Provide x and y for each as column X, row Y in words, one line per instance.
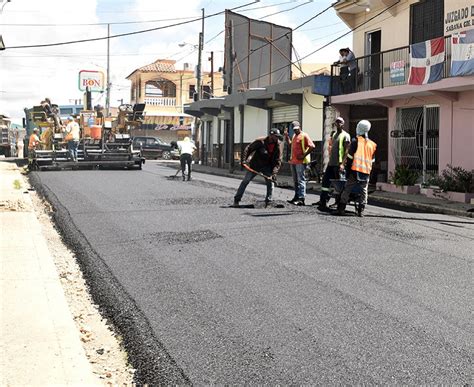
column 39, row 340
column 409, row 202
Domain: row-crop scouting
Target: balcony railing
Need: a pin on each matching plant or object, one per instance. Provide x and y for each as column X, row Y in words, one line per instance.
column 381, row 70
column 161, row 101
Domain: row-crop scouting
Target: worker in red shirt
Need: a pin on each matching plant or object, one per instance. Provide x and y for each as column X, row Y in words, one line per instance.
column 301, row 147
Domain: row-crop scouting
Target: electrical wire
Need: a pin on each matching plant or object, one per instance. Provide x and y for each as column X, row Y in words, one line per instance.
column 127, row 33
column 285, row 35
column 331, row 42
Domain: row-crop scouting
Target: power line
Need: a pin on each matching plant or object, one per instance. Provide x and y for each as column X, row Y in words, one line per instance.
column 127, row 33
column 282, row 36
column 331, row 42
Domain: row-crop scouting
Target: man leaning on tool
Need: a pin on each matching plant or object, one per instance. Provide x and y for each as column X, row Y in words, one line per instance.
column 263, row 157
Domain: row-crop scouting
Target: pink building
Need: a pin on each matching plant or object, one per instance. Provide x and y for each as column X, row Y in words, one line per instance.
column 426, row 126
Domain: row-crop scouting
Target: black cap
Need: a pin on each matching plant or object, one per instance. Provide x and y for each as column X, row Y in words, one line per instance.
column 276, row 132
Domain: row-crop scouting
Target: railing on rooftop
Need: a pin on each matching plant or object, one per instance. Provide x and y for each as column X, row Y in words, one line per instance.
column 381, row 70
column 160, row 101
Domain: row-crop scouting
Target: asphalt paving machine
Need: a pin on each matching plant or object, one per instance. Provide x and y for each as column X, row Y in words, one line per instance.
column 104, row 142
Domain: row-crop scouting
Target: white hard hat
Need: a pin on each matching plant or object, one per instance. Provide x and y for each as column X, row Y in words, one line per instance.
column 363, row 127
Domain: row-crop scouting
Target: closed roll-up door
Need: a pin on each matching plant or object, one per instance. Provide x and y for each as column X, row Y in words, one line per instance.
column 284, row 114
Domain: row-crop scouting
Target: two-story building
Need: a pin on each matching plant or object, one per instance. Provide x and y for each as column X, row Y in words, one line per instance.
column 424, row 126
column 164, row 90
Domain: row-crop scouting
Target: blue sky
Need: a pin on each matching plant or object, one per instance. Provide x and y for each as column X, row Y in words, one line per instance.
column 30, row 74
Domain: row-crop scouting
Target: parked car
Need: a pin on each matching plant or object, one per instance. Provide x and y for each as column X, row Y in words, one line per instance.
column 154, row 148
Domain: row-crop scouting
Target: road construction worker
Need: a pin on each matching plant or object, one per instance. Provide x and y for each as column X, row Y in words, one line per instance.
column 301, row 147
column 186, row 149
column 33, row 144
column 262, row 156
column 72, row 136
column 339, row 145
column 359, row 161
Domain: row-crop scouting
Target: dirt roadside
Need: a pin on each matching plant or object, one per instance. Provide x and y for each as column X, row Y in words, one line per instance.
column 101, row 344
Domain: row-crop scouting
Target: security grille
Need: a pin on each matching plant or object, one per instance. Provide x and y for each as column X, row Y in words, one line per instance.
column 415, row 139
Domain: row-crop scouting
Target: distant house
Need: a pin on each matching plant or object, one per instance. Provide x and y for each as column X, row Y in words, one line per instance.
column 164, row 90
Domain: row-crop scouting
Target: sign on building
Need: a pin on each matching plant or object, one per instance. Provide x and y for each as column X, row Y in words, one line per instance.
column 397, row 71
column 458, row 15
column 94, row 80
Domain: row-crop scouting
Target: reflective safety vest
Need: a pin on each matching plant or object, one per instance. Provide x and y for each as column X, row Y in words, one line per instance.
column 364, row 155
column 307, row 159
column 343, row 137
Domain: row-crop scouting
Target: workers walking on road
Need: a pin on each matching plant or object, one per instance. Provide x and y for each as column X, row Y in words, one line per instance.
column 339, row 144
column 186, row 149
column 301, row 147
column 359, row 161
column 263, row 157
column 72, row 137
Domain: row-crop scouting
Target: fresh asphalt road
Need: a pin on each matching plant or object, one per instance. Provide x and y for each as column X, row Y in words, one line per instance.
column 206, row 294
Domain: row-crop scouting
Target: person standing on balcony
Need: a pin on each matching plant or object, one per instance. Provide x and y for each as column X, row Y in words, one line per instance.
column 348, row 70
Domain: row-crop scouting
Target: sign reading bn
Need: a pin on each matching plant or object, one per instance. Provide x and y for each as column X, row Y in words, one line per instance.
column 94, row 80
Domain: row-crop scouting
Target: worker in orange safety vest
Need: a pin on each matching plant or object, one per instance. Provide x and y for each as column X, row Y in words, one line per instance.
column 358, row 164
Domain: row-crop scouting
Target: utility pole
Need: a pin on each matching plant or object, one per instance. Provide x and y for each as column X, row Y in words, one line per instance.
column 107, row 96
column 211, row 58
column 198, row 67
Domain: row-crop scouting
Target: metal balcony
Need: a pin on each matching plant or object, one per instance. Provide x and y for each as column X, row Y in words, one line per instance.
column 381, row 70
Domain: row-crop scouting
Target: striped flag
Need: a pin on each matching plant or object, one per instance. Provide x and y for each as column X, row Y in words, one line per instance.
column 426, row 61
column 462, row 53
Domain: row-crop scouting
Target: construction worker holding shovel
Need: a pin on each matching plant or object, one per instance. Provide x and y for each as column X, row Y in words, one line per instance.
column 261, row 157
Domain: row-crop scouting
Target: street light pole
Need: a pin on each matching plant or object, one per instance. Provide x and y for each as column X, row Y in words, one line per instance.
column 107, row 96
column 198, row 69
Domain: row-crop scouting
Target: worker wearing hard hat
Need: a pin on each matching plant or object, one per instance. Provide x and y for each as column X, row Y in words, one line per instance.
column 358, row 164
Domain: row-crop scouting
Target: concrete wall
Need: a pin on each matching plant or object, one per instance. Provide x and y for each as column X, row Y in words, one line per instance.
column 255, row 124
column 462, row 152
column 395, row 27
column 312, row 114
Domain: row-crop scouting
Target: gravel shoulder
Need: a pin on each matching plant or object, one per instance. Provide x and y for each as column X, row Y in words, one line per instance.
column 103, row 346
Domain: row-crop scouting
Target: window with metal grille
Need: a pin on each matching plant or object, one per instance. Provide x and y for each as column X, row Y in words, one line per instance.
column 426, row 20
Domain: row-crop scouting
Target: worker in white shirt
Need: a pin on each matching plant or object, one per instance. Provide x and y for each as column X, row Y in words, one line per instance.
column 186, row 149
column 72, row 137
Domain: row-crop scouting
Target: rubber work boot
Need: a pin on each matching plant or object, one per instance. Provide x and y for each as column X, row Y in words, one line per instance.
column 323, row 207
column 236, row 203
column 341, row 209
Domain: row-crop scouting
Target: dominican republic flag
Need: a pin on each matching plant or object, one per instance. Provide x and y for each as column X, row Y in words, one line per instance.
column 462, row 53
column 426, row 61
